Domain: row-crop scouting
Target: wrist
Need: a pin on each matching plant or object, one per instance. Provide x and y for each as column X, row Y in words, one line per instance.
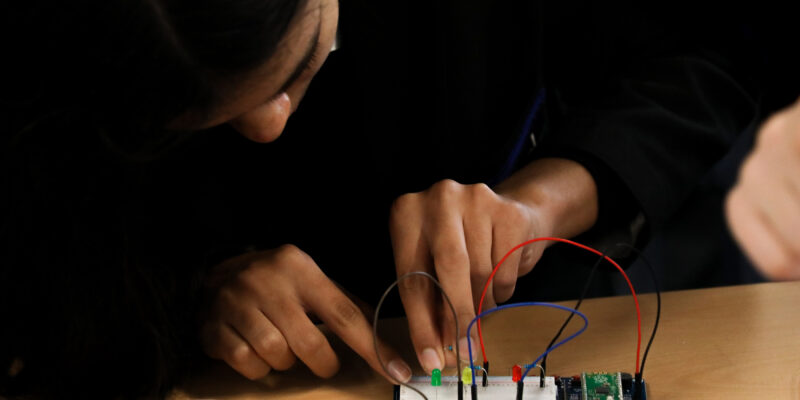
column 560, row 193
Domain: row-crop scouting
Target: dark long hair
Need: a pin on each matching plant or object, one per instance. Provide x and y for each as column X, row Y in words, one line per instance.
column 88, row 307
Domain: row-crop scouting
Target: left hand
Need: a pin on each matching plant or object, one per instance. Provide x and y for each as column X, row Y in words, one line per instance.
column 763, row 208
column 257, row 317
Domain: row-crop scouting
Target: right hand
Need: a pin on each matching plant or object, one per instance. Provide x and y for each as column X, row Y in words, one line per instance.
column 458, row 233
column 257, row 317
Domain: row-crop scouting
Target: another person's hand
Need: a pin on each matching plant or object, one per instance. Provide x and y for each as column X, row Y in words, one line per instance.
column 257, row 320
column 458, row 233
column 763, row 209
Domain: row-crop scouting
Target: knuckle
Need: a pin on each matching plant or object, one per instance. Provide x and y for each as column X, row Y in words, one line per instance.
column 479, row 275
column 255, row 372
column 346, row 313
column 289, row 256
column 778, row 265
column 330, row 373
column 785, row 269
column 504, row 290
column 271, row 342
column 227, row 299
column 414, row 285
column 286, row 363
column 290, row 252
column 250, row 279
column 310, row 343
column 773, row 129
column 289, row 248
column 239, row 355
column 404, row 202
column 451, row 259
column 751, row 170
column 793, row 263
column 465, row 316
column 446, row 188
column 403, row 207
column 526, row 263
column 505, row 281
column 481, row 192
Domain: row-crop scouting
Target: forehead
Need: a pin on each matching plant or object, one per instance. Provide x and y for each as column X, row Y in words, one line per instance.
column 304, row 22
column 301, row 33
column 247, row 89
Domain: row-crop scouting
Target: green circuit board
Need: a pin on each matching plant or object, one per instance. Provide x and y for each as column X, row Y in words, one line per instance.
column 600, row 386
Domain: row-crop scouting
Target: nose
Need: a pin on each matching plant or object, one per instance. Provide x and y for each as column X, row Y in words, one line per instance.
column 266, row 122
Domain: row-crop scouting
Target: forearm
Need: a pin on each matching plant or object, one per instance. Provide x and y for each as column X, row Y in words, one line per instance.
column 561, row 191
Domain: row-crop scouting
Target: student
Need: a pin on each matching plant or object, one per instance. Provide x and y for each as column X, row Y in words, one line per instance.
column 91, row 304
column 634, row 116
column 75, row 152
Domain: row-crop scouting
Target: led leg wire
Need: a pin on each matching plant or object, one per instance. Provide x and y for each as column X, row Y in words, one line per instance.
column 375, row 327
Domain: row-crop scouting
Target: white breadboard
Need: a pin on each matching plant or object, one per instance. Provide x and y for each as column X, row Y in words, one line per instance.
column 499, row 388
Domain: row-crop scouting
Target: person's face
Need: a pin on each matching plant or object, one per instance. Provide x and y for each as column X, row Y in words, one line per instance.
column 266, row 97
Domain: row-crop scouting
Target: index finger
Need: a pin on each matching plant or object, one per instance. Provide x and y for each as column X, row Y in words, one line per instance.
column 451, row 261
column 417, row 293
column 345, row 319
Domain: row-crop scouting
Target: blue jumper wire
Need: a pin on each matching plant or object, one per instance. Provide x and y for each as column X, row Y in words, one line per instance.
column 526, row 304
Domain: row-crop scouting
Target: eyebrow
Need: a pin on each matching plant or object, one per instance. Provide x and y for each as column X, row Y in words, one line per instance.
column 311, row 49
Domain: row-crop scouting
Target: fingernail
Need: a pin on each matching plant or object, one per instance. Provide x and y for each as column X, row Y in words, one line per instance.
column 463, row 347
column 430, row 359
column 400, row 370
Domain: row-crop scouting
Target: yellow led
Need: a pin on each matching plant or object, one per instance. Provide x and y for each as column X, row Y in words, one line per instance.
column 466, row 376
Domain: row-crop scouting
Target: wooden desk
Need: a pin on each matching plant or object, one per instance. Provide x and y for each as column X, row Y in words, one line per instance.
column 740, row 342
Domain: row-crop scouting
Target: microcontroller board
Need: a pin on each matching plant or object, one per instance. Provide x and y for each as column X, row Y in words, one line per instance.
column 579, row 388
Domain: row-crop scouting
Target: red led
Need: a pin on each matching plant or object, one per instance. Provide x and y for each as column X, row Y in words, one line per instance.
column 516, row 373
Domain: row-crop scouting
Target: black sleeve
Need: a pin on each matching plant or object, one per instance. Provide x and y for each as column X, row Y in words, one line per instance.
column 646, row 106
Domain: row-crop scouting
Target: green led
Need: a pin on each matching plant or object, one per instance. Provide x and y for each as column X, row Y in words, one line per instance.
column 466, row 376
column 436, row 377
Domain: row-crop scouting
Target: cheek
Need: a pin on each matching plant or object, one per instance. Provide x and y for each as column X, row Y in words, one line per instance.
column 265, row 123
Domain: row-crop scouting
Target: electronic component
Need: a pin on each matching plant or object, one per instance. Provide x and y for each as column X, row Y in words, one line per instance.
column 571, row 388
column 590, row 386
column 499, row 387
column 538, row 239
column 436, row 377
column 504, row 388
column 601, row 386
column 516, row 373
column 466, row 376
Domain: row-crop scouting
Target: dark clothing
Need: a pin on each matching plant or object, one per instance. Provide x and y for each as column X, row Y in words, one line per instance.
column 646, row 99
column 695, row 248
